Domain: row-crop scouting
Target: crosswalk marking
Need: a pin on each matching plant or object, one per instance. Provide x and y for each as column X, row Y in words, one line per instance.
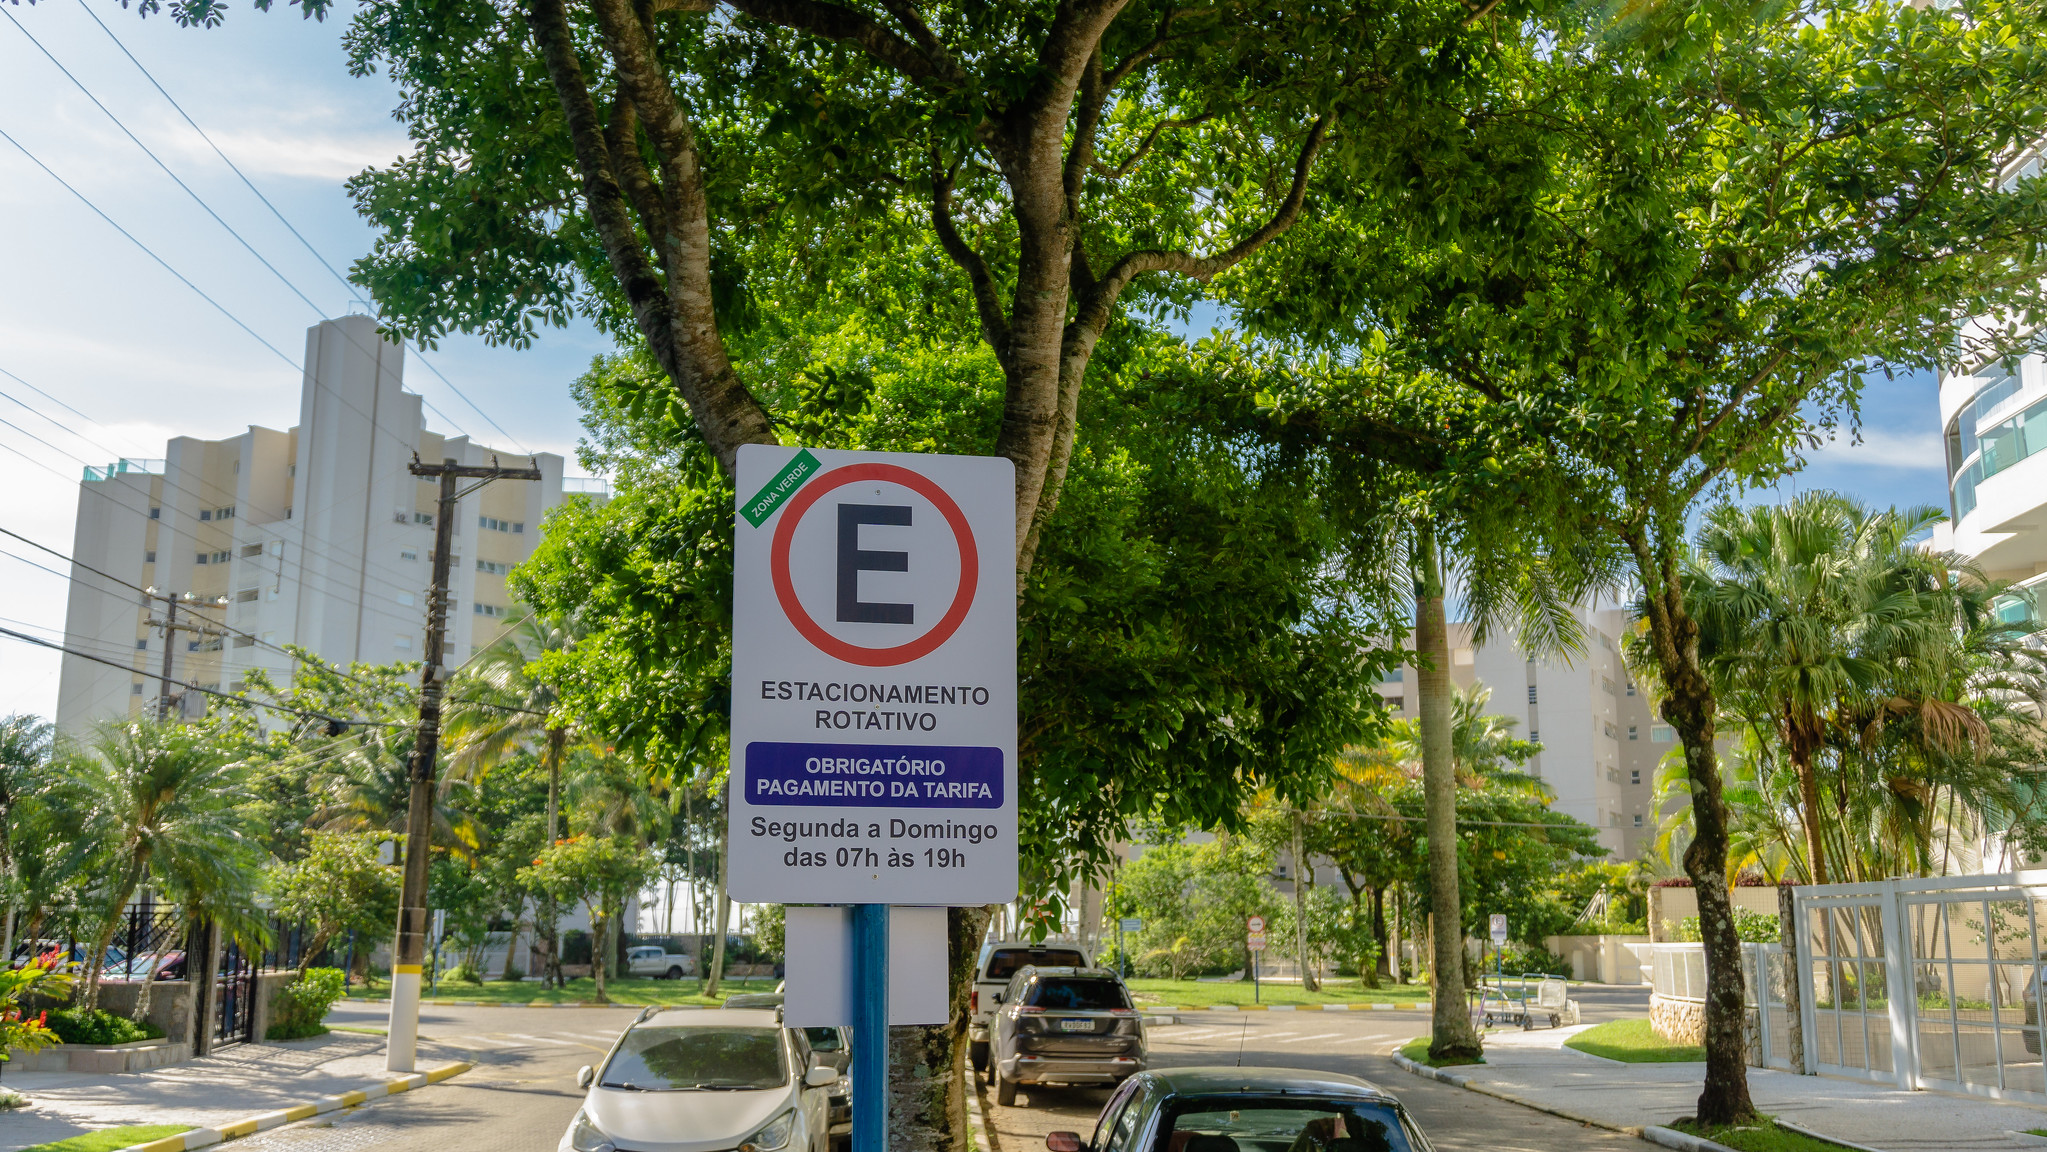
column 1275, row 1035
column 1323, row 1036
column 542, row 1039
column 1361, row 1039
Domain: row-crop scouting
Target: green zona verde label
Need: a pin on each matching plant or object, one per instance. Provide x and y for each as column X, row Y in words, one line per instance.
column 801, row 467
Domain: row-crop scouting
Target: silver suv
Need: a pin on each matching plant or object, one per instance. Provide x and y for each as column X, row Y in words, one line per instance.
column 1064, row 1026
column 1000, row 960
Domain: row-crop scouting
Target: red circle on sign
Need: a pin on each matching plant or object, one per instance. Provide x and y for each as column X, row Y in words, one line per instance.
column 830, row 645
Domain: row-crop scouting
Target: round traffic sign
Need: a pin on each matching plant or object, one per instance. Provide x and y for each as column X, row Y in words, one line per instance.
column 1255, row 924
column 792, row 605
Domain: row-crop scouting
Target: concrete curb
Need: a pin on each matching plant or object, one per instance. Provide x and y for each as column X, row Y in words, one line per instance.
column 203, row 1137
column 1294, row 1008
column 1683, row 1142
column 977, row 1118
column 1802, row 1130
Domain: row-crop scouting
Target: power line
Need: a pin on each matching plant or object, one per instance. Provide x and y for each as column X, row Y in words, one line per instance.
column 281, row 219
column 307, row 713
column 146, row 249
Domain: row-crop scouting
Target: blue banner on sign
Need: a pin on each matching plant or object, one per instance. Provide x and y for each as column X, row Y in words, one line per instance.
column 873, row 775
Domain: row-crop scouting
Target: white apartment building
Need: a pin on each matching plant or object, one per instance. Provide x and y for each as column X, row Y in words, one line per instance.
column 1995, row 424
column 1600, row 739
column 317, row 536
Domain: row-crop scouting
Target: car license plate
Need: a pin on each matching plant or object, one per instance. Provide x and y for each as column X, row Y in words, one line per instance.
column 1076, row 1025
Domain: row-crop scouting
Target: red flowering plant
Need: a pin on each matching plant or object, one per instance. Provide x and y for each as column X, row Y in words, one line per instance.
column 18, row 1029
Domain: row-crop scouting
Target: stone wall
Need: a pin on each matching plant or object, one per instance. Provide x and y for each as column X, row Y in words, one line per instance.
column 1678, row 1021
column 170, row 1004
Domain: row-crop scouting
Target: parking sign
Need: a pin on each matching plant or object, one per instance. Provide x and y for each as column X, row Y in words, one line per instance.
column 873, row 679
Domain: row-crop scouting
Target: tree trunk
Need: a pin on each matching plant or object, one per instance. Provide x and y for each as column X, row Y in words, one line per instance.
column 545, row 909
column 724, row 912
column 1453, row 1037
column 927, row 1107
column 1302, row 878
column 1689, row 706
column 129, row 881
column 512, row 944
column 600, row 951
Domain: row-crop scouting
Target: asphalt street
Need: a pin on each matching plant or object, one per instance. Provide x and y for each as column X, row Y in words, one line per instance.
column 522, row 1092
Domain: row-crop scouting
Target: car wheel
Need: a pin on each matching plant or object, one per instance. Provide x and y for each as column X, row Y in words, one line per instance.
column 675, row 973
column 1005, row 1089
column 978, row 1054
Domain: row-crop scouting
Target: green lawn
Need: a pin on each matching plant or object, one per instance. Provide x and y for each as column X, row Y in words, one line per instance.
column 1633, row 1042
column 1193, row 994
column 108, row 1139
column 1765, row 1137
column 1417, row 1050
column 584, row 991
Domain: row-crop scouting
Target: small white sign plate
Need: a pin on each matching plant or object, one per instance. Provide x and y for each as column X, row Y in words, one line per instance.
column 873, row 679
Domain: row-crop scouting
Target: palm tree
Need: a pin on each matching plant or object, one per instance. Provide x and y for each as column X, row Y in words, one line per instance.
column 25, row 746
column 160, row 797
column 499, row 709
column 368, row 783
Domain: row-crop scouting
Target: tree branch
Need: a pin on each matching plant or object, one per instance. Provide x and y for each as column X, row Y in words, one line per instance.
column 1145, row 145
column 1095, row 310
column 848, row 26
column 987, row 301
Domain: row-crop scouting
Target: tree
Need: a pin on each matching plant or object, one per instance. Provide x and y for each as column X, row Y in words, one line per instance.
column 602, row 872
column 1678, row 272
column 25, row 746
column 162, row 799
column 337, row 887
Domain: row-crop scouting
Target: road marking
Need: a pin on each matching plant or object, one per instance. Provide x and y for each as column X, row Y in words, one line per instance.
column 1276, row 1035
column 543, row 1040
column 483, row 1040
column 1362, row 1039
column 607, row 1037
column 1201, row 1034
column 1323, row 1036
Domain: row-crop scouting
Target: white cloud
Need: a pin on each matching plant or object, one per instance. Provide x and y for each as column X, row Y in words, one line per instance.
column 1882, row 448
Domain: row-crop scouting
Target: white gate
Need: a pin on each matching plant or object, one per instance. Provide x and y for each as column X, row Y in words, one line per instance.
column 1926, row 983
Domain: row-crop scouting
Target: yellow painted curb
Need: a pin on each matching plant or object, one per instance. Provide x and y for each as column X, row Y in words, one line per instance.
column 167, row 1144
column 300, row 1113
column 263, row 1121
column 447, row 1070
column 350, row 1099
column 238, row 1128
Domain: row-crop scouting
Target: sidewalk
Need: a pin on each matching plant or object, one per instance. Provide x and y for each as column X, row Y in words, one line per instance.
column 1535, row 1068
column 242, row 1081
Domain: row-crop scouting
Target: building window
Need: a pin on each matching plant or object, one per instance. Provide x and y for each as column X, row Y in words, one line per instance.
column 422, row 518
column 201, row 559
column 1633, row 733
column 493, row 610
column 134, row 689
column 246, row 596
column 1661, row 734
column 1634, row 775
column 1638, row 819
column 402, row 643
column 1531, row 693
column 1613, row 819
column 156, row 513
column 142, row 645
column 497, row 525
column 518, row 528
column 406, row 599
column 206, row 513
column 1605, row 641
column 249, row 550
column 244, row 642
column 494, row 567
column 149, row 557
column 1534, row 736
column 408, row 554
column 1393, row 676
column 1399, row 703
column 1631, row 687
column 227, row 513
column 1606, row 685
column 1608, row 728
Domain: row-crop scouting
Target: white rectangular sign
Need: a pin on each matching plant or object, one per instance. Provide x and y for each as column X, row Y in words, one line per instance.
column 873, row 678
column 819, row 945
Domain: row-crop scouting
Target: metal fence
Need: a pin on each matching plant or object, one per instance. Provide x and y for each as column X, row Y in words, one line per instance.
column 1930, row 983
column 1678, row 972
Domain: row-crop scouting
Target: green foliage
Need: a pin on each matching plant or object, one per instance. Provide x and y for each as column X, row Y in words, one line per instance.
column 770, row 927
column 301, row 1005
column 338, row 887
column 18, row 1029
column 109, row 1139
column 79, row 1025
column 1753, row 928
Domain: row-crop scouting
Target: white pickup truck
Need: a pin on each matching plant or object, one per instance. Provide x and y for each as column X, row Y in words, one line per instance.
column 999, row 961
column 656, row 961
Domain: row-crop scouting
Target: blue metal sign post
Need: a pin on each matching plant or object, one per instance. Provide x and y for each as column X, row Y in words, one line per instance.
column 870, row 1027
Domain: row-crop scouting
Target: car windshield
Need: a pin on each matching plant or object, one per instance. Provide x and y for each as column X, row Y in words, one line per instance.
column 1003, row 962
column 1057, row 992
column 823, row 1039
column 704, row 1059
column 1284, row 1126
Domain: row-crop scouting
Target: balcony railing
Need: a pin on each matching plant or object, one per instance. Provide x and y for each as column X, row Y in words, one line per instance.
column 586, row 485
column 123, row 467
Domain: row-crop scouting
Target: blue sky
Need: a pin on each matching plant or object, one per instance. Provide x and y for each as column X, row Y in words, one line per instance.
column 94, row 321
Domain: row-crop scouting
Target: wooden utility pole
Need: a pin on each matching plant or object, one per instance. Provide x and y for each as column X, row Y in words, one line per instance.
column 171, row 626
column 406, row 965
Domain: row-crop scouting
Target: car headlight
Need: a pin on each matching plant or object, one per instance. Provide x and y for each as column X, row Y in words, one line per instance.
column 775, row 1134
column 587, row 1137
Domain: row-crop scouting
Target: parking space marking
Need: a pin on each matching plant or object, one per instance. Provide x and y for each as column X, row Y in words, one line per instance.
column 544, row 1040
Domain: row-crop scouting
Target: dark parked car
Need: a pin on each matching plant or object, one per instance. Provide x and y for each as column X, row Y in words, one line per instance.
column 1247, row 1110
column 1064, row 1026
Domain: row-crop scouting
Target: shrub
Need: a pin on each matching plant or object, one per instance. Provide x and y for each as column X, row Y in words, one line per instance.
column 464, row 974
column 512, row 973
column 1752, row 927
column 301, row 1006
column 98, row 1026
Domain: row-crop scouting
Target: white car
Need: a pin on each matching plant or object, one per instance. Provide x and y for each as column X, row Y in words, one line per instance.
column 705, row 1080
column 658, row 962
